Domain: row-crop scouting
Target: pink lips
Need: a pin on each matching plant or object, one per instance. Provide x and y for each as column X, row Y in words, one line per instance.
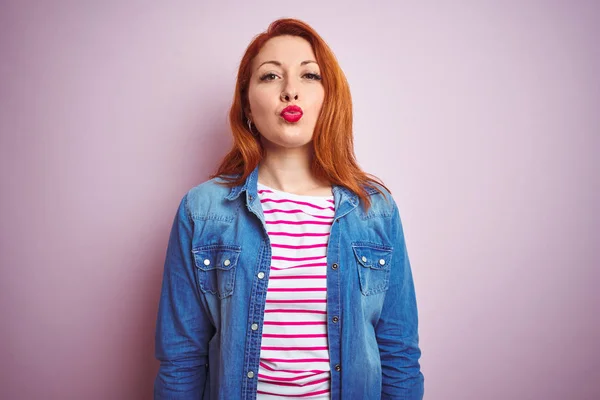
column 291, row 113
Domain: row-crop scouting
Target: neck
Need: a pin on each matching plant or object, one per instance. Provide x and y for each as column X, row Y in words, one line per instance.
column 289, row 171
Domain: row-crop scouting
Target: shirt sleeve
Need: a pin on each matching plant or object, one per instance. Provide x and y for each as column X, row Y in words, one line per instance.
column 183, row 328
column 397, row 329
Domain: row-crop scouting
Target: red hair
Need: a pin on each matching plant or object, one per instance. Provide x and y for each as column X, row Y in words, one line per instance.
column 334, row 159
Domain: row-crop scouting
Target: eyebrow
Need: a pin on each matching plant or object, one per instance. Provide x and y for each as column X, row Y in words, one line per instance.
column 279, row 64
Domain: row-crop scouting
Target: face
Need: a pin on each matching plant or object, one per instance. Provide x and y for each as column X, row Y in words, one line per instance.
column 285, row 73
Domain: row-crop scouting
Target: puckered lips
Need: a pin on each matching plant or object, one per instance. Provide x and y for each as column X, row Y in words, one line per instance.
column 291, row 113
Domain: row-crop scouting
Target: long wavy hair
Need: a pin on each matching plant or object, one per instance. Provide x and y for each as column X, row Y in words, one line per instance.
column 333, row 144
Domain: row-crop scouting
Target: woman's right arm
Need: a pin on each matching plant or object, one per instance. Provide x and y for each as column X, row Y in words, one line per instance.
column 183, row 328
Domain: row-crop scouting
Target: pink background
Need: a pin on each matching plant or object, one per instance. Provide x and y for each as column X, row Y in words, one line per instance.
column 483, row 117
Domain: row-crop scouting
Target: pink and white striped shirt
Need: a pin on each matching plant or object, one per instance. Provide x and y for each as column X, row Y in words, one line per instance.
column 294, row 355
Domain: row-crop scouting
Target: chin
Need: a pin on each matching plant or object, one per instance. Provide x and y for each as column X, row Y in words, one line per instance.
column 288, row 142
column 292, row 144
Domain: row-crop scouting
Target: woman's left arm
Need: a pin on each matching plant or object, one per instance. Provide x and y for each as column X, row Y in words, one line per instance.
column 397, row 330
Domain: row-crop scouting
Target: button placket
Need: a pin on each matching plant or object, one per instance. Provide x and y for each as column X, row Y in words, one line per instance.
column 255, row 316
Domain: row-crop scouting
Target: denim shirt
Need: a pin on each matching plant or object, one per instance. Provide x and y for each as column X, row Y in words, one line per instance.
column 210, row 316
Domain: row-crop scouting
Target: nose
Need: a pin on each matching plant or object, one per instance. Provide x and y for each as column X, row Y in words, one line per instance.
column 285, row 96
column 289, row 92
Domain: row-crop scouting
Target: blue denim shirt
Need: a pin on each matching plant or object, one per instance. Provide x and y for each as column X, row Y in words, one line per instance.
column 205, row 340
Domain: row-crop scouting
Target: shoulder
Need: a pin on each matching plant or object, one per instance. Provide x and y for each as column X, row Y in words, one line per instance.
column 382, row 201
column 207, row 197
column 211, row 188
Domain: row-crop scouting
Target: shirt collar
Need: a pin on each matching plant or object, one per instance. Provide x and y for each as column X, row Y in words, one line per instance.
column 340, row 193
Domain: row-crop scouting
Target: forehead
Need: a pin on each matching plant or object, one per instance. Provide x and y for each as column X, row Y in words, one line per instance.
column 289, row 50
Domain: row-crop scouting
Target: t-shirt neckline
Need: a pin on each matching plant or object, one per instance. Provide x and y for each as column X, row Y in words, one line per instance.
column 288, row 194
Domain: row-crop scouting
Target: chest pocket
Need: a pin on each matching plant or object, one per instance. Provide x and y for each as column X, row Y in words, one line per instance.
column 215, row 268
column 374, row 266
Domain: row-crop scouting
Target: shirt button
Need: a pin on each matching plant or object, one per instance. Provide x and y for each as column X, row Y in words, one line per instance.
column 364, row 259
column 207, row 262
column 338, row 367
column 261, row 275
column 334, row 266
column 335, row 319
column 226, row 262
column 382, row 261
column 250, row 374
column 254, row 327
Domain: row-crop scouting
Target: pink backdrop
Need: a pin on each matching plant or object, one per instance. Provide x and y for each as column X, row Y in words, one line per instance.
column 483, row 119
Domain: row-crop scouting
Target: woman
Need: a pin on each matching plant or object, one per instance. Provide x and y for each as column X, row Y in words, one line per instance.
column 286, row 273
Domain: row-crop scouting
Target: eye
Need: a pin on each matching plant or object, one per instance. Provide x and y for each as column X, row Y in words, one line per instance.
column 313, row 77
column 266, row 76
column 310, row 76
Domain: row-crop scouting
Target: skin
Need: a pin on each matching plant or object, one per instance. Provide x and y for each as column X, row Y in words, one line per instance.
column 288, row 146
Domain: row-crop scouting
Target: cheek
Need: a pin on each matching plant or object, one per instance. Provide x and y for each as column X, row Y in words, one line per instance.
column 260, row 101
column 318, row 101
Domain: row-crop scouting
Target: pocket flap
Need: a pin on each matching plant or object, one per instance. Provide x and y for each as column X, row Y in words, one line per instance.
column 373, row 256
column 218, row 256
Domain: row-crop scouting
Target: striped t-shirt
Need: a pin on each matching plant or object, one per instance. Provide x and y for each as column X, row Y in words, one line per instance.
column 294, row 355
